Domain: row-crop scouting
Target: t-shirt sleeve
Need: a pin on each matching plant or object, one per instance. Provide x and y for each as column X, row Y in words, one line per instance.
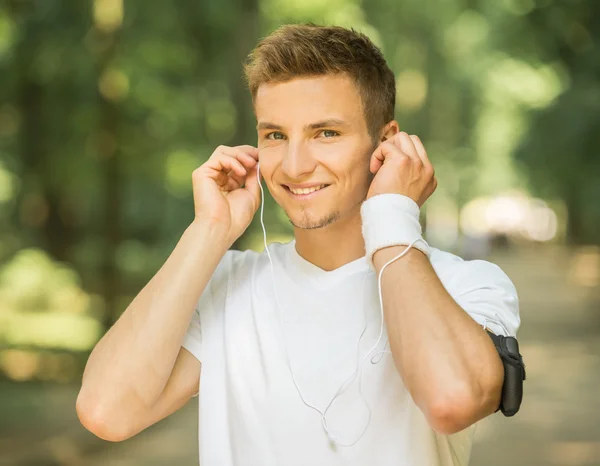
column 487, row 294
column 193, row 337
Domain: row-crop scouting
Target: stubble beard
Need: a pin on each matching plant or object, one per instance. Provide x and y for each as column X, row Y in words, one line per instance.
column 308, row 223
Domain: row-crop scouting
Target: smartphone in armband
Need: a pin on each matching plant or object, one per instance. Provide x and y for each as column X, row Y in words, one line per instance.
column 514, row 373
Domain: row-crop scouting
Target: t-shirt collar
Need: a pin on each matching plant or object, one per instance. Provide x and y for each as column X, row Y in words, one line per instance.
column 322, row 277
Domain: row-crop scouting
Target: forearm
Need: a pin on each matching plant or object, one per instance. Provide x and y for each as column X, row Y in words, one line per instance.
column 444, row 357
column 130, row 366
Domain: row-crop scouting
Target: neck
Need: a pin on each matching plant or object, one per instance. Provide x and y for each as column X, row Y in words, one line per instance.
column 332, row 246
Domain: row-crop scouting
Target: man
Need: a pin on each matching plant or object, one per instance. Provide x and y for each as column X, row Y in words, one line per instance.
column 278, row 334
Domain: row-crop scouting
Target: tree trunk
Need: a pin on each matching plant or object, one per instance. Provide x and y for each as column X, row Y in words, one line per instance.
column 38, row 204
column 107, row 150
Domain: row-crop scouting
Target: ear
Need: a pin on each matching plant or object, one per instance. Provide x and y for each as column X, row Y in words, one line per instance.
column 389, row 130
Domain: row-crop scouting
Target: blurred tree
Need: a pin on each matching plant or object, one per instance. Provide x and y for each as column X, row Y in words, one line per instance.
column 42, row 98
column 560, row 149
column 111, row 88
column 106, row 108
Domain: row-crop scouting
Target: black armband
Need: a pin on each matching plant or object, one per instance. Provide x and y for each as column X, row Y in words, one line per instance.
column 514, row 373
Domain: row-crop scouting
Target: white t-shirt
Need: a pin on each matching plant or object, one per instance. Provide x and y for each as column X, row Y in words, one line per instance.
column 250, row 413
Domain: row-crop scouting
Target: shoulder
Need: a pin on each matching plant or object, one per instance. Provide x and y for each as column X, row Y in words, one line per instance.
column 234, row 260
column 482, row 289
column 242, row 264
column 461, row 275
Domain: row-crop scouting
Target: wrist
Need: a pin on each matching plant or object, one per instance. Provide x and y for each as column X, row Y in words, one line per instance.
column 391, row 220
column 212, row 235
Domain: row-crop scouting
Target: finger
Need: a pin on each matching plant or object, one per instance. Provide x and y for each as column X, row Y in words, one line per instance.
column 420, row 148
column 231, row 184
column 247, row 160
column 260, row 176
column 226, row 181
column 405, row 143
column 252, row 185
column 222, row 167
column 232, row 166
column 427, row 165
column 431, row 187
column 244, row 158
column 385, row 149
column 239, row 179
column 249, row 151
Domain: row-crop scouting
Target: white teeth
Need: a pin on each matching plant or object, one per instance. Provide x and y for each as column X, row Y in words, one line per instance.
column 306, row 190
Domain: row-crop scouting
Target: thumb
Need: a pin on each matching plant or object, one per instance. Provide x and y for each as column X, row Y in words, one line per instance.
column 252, row 185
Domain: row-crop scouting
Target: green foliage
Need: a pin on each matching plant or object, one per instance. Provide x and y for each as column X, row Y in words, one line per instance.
column 104, row 114
column 43, row 305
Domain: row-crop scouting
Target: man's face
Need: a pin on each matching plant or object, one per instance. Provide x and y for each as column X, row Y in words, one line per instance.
column 312, row 132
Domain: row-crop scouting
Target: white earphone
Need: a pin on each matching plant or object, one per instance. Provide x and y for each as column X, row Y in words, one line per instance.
column 358, row 370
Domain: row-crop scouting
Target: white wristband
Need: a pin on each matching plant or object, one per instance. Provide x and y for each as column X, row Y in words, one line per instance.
column 391, row 220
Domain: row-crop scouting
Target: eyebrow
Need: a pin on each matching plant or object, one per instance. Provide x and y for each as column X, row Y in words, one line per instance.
column 267, row 125
column 318, row 125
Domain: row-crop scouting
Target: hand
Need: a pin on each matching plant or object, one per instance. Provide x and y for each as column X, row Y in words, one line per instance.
column 401, row 166
column 226, row 191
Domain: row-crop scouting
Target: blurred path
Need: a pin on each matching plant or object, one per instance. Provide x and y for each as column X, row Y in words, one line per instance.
column 44, row 431
column 559, row 423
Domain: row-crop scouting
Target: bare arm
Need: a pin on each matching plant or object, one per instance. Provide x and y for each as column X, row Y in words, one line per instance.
column 449, row 365
column 138, row 373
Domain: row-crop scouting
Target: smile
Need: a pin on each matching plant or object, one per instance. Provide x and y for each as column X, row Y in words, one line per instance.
column 305, row 193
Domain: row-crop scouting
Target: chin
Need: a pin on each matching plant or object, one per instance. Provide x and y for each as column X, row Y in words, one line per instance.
column 310, row 222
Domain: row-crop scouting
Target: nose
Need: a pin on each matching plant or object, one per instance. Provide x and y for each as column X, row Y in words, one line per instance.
column 297, row 161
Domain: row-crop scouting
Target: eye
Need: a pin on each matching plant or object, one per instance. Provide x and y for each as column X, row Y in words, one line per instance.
column 275, row 135
column 328, row 133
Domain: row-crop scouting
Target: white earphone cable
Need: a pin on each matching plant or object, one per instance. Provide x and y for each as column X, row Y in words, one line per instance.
column 358, row 371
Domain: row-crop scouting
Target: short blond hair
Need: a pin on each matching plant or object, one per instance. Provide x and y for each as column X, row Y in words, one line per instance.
column 298, row 50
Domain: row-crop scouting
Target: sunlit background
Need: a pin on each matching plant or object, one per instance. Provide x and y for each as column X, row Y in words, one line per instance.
column 106, row 108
